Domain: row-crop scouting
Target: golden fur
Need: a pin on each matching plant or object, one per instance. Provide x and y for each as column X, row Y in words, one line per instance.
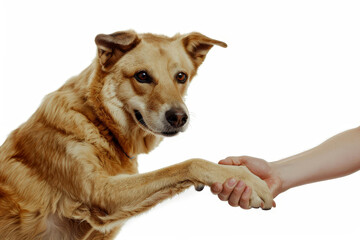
column 70, row 171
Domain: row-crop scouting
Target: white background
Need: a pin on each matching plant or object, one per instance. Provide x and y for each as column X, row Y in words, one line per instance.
column 288, row 81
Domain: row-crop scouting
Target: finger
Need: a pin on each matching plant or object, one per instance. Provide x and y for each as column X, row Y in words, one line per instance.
column 236, row 194
column 241, row 160
column 245, row 198
column 216, row 188
column 231, row 161
column 228, row 187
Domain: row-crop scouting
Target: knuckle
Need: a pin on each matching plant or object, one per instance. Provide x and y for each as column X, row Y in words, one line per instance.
column 222, row 197
column 215, row 189
column 233, row 204
column 227, row 190
column 244, row 204
column 244, row 158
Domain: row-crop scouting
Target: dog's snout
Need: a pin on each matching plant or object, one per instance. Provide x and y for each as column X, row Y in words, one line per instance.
column 177, row 117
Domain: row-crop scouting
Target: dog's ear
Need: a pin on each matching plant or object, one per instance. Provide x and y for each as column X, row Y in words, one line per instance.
column 112, row 47
column 198, row 45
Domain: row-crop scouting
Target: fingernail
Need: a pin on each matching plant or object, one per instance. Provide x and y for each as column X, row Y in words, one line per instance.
column 231, row 182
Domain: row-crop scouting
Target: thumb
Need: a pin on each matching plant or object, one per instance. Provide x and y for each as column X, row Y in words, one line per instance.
column 237, row 161
column 257, row 166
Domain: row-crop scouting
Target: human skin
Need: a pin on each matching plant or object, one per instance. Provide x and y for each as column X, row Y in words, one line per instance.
column 336, row 157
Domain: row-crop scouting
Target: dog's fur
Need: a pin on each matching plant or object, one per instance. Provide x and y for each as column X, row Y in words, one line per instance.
column 70, row 171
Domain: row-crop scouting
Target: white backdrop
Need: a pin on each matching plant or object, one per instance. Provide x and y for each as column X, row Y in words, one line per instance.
column 288, row 80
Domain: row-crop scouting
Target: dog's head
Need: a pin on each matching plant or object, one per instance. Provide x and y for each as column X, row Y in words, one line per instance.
column 147, row 75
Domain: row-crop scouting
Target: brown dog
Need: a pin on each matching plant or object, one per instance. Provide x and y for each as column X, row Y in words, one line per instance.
column 70, row 171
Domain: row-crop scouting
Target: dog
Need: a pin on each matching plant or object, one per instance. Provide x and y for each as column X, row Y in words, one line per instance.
column 70, row 171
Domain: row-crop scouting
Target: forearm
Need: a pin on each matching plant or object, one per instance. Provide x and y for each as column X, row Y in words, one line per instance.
column 336, row 157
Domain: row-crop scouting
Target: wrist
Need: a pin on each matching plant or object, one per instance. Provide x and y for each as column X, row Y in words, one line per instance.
column 280, row 184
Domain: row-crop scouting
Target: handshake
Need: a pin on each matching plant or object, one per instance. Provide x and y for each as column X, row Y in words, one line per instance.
column 237, row 193
column 336, row 157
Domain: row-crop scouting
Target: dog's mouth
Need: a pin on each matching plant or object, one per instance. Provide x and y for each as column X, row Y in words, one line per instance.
column 141, row 120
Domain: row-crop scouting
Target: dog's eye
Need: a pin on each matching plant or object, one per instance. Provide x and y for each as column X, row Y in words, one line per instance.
column 181, row 77
column 143, row 77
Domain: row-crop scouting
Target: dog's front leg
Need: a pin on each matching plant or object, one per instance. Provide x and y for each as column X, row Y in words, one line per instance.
column 123, row 196
column 117, row 198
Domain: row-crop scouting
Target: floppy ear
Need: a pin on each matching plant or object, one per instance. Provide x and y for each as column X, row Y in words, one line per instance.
column 112, row 47
column 198, row 45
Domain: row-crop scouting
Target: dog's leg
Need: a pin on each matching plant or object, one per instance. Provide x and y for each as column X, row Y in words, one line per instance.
column 124, row 196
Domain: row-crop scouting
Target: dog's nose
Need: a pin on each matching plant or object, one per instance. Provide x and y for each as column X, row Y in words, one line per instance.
column 177, row 117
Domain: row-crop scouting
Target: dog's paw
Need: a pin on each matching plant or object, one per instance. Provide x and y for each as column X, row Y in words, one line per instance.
column 261, row 199
column 261, row 195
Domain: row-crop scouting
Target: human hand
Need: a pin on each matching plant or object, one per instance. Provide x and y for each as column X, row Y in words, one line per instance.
column 236, row 192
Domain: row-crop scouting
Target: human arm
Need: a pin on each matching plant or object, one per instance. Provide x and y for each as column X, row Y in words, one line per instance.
column 336, row 157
